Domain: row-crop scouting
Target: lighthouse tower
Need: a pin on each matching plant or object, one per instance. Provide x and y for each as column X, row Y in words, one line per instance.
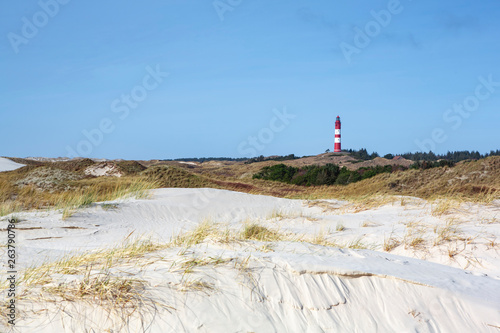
column 337, row 136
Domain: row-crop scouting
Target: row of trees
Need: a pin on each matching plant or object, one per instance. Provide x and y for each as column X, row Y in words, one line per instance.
column 272, row 158
column 455, row 156
column 207, row 159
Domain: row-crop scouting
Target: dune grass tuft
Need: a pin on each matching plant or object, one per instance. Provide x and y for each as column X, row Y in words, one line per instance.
column 447, row 233
column 79, row 264
column 254, row 231
column 414, row 236
column 340, row 227
column 192, row 284
column 102, row 287
column 391, row 242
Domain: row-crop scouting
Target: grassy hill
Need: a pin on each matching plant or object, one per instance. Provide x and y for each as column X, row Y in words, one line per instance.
column 65, row 184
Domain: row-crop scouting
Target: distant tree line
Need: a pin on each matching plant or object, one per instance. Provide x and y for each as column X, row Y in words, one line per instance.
column 455, row 156
column 207, row 159
column 361, row 155
column 272, row 158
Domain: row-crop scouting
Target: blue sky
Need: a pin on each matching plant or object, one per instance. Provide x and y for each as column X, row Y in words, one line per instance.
column 247, row 77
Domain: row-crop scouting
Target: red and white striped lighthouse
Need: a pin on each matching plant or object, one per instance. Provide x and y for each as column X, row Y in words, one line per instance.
column 337, row 136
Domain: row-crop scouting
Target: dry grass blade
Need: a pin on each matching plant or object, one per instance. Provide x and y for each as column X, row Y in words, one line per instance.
column 358, row 244
column 188, row 265
column 414, row 236
column 447, row 233
column 391, row 243
column 193, row 285
column 444, row 206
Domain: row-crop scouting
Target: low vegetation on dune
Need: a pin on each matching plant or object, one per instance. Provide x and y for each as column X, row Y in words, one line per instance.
column 169, row 176
column 469, row 180
column 65, row 185
column 50, row 179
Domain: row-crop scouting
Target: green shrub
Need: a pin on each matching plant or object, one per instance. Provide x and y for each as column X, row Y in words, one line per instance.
column 279, row 172
column 328, row 174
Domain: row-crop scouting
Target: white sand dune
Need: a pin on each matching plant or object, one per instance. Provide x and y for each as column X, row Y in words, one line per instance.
column 285, row 286
column 8, row 165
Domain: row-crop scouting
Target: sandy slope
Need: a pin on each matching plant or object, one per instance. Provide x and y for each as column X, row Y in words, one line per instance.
column 285, row 286
column 8, row 165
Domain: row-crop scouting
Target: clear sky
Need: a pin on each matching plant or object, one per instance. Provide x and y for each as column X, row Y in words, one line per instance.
column 167, row 79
